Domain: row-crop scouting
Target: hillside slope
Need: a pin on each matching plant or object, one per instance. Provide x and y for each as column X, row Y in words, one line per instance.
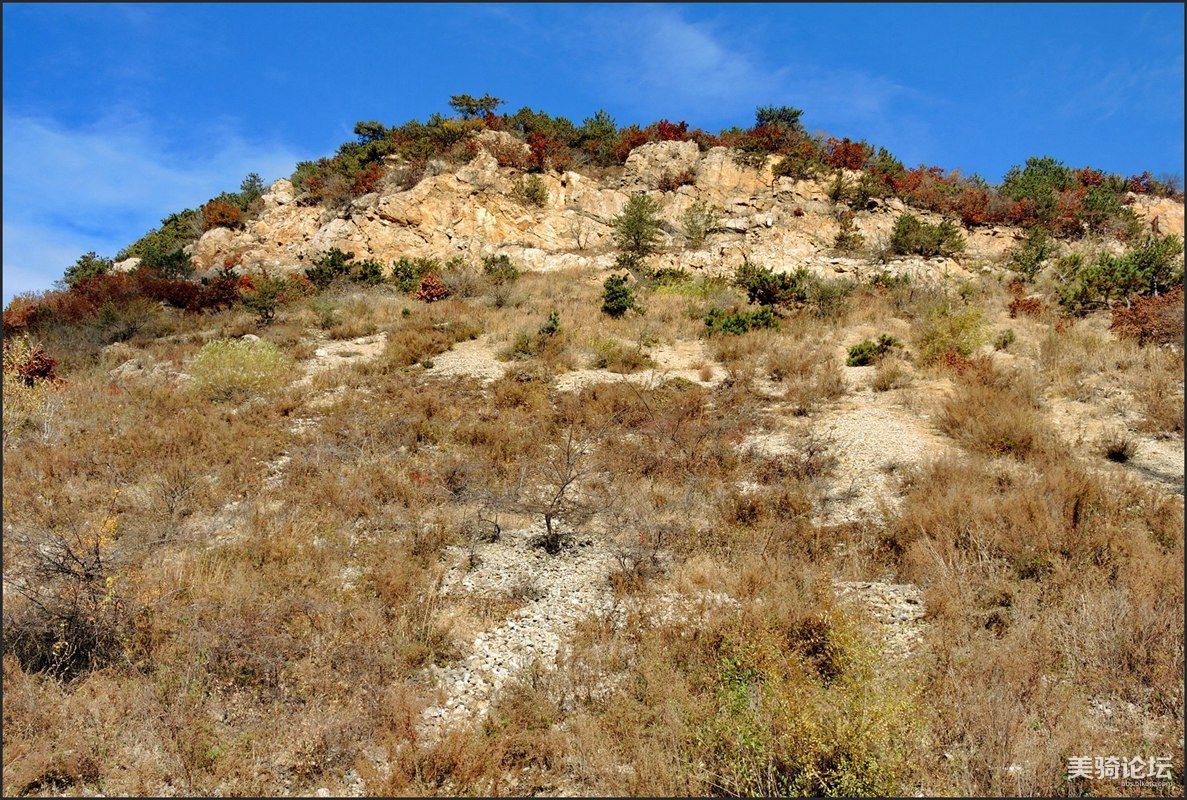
column 472, row 211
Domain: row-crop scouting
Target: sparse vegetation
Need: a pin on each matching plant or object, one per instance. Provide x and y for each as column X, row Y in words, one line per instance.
column 277, row 515
column 530, row 190
column 697, row 222
column 237, row 369
column 911, row 236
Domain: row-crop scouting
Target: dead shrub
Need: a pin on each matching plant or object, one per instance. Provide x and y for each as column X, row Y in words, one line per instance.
column 998, row 413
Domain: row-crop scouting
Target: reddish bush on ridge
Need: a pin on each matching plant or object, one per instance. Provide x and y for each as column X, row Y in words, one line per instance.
column 847, row 154
column 220, row 214
column 1155, row 319
column 628, row 139
column 548, row 152
column 666, row 131
column 1140, row 184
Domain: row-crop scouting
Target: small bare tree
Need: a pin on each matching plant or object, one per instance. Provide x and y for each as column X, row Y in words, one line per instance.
column 563, row 486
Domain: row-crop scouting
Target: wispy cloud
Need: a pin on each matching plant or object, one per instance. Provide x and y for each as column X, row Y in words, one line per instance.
column 660, row 59
column 97, row 187
column 1127, row 84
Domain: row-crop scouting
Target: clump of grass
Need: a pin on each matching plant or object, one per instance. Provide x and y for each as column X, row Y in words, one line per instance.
column 1118, row 446
column 808, row 375
column 997, row 413
column 424, row 335
column 237, row 369
column 890, row 373
column 545, row 343
column 950, row 330
column 613, row 355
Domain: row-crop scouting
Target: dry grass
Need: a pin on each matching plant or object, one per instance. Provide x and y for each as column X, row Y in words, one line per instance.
column 1047, row 590
column 263, row 582
column 997, row 413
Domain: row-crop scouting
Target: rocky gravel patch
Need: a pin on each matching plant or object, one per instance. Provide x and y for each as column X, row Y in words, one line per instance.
column 870, row 443
column 332, row 355
column 557, row 591
column 896, row 608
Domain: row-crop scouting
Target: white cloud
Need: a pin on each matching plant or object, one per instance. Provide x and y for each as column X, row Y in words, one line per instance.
column 666, row 64
column 98, row 187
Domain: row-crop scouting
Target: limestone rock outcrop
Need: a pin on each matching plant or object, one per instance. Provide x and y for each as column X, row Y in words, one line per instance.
column 472, row 210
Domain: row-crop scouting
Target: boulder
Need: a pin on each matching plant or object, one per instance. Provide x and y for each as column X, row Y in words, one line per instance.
column 648, row 163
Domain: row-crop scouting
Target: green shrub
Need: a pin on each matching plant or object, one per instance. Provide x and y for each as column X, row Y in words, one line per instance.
column 637, row 229
column 1028, row 258
column 160, row 248
column 827, row 297
column 407, row 272
column 697, row 221
column 236, row 369
column 719, row 321
column 769, row 288
column 263, row 298
column 470, row 107
column 368, row 272
column 329, row 267
column 617, row 296
column 799, row 287
column 88, row 265
column 668, row 276
column 945, row 330
column 1005, row 339
column 848, row 239
column 500, row 270
column 1152, row 267
column 871, row 352
column 912, row 236
column 799, row 165
column 530, row 191
column 1039, row 184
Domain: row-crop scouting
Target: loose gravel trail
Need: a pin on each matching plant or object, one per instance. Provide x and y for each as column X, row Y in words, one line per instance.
column 558, row 591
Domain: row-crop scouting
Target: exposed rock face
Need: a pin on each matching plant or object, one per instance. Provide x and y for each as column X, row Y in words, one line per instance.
column 1164, row 214
column 647, row 164
column 472, row 211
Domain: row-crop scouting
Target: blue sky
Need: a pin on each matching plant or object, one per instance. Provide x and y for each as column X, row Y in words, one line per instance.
column 116, row 115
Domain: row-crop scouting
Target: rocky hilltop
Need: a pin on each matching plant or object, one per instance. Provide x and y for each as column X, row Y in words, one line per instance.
column 472, row 211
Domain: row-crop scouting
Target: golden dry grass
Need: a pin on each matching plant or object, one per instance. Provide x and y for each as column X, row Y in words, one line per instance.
column 262, row 590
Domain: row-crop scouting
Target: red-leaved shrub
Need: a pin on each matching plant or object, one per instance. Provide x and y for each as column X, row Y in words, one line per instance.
column 671, row 181
column 37, row 366
column 368, row 179
column 432, row 289
column 847, row 154
column 628, row 139
column 670, row 131
column 548, row 152
column 220, row 214
column 1156, row 319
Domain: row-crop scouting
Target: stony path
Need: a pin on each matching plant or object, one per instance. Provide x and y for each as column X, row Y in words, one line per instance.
column 896, row 608
column 347, row 351
column 557, row 590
